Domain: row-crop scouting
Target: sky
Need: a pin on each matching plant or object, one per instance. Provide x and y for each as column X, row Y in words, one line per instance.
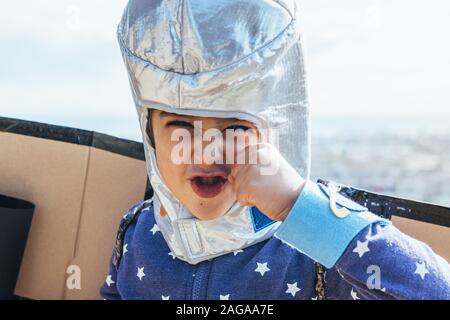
column 60, row 62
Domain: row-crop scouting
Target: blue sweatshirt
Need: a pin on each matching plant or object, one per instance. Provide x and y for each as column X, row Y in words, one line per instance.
column 314, row 255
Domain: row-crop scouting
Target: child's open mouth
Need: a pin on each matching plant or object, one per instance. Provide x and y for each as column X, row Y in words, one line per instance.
column 208, row 187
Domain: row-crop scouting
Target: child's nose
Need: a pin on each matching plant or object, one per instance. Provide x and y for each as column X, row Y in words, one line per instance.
column 209, row 151
column 214, row 147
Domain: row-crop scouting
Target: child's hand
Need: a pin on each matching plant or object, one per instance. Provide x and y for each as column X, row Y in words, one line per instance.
column 272, row 184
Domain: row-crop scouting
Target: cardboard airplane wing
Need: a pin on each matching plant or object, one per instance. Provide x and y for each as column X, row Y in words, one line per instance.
column 81, row 183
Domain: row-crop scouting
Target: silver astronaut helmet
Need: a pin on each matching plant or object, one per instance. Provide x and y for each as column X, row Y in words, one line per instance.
column 217, row 58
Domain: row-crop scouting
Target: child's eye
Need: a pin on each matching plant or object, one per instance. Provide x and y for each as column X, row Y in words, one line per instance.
column 178, row 123
column 237, row 127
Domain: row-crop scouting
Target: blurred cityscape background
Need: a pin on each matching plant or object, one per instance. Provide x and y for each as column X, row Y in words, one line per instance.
column 377, row 80
column 402, row 156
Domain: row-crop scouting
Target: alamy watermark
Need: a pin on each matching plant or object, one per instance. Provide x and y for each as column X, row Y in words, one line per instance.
column 231, row 146
column 73, row 280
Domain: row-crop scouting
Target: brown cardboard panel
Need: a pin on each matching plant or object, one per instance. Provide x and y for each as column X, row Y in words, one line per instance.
column 114, row 183
column 80, row 194
column 50, row 174
column 437, row 237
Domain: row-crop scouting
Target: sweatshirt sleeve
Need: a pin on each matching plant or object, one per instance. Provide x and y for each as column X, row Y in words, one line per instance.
column 366, row 257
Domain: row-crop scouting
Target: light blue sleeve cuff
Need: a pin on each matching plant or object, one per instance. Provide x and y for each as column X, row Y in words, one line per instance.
column 312, row 228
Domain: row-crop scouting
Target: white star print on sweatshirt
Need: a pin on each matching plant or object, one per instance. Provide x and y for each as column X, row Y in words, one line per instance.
column 379, row 262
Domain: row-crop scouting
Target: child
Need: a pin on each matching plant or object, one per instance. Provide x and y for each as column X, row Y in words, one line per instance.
column 218, row 229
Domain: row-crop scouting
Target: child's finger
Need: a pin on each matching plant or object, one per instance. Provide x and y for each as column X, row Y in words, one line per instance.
column 236, row 144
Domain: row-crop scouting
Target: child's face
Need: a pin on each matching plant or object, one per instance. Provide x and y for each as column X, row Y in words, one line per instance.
column 202, row 187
